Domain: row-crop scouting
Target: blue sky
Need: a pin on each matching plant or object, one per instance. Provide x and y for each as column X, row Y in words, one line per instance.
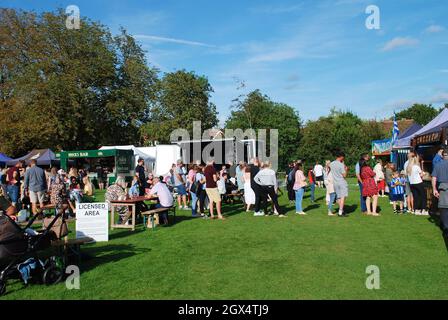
column 310, row 54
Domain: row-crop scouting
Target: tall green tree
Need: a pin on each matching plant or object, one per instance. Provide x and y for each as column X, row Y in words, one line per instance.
column 420, row 113
column 258, row 111
column 339, row 131
column 69, row 89
column 182, row 97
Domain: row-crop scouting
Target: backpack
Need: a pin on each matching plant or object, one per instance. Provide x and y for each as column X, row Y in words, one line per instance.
column 292, row 177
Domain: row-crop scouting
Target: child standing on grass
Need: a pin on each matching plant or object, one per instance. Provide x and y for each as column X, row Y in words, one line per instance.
column 397, row 188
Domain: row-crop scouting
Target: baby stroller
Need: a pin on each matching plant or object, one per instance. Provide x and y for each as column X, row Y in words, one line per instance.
column 21, row 245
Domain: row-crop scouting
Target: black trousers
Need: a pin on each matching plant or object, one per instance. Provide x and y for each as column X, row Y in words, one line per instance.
column 201, row 196
column 419, row 194
column 270, row 191
column 444, row 219
column 259, row 197
column 291, row 192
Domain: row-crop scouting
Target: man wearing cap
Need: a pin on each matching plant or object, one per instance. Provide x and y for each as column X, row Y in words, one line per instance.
column 440, row 189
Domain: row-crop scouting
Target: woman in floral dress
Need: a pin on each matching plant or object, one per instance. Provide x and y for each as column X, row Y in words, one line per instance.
column 369, row 188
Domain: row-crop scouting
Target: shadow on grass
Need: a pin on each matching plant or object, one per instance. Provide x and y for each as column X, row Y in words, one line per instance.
column 96, row 256
column 434, row 218
column 350, row 209
column 124, row 233
column 312, row 207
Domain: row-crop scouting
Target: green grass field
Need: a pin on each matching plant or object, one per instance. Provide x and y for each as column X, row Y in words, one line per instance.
column 246, row 257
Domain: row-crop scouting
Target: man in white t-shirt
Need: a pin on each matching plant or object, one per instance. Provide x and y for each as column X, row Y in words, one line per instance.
column 319, row 174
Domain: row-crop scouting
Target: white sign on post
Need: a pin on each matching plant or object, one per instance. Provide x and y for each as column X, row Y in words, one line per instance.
column 92, row 221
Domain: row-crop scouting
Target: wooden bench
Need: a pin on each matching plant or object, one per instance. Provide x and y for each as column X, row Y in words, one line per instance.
column 71, row 247
column 154, row 215
column 232, row 196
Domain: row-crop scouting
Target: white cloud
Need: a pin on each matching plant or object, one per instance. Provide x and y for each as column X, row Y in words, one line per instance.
column 400, row 42
column 172, row 40
column 434, row 29
column 441, row 97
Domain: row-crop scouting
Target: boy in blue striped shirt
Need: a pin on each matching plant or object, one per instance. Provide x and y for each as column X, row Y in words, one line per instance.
column 397, row 191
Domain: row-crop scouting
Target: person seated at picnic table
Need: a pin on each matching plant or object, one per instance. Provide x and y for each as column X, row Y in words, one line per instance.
column 149, row 182
column 89, row 189
column 75, row 193
column 117, row 192
column 134, row 190
column 164, row 196
column 7, row 206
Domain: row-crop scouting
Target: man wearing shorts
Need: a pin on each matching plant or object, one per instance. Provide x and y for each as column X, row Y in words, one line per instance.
column 211, row 188
column 179, row 185
column 36, row 185
column 339, row 171
column 318, row 171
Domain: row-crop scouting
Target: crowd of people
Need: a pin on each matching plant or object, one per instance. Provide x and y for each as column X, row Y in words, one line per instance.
column 205, row 187
column 28, row 188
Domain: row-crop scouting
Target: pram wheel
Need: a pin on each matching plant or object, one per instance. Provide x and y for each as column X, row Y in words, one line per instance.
column 52, row 275
column 2, row 287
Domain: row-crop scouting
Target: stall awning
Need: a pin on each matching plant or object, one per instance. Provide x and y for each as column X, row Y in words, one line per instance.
column 4, row 158
column 44, row 157
column 404, row 139
column 432, row 131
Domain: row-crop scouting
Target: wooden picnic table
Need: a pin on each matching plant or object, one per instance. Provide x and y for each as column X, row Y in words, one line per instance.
column 129, row 202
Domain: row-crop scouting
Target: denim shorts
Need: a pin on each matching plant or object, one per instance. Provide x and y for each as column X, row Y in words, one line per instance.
column 181, row 190
column 13, row 193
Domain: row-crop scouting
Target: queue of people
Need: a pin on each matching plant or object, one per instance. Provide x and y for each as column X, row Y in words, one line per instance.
column 198, row 187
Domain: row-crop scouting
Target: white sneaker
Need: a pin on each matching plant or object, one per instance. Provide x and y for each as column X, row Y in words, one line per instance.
column 186, row 208
column 418, row 213
column 258, row 214
column 425, row 213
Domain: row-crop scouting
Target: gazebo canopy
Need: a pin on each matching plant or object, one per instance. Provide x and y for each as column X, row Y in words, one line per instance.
column 436, row 124
column 44, row 157
column 404, row 139
column 4, row 158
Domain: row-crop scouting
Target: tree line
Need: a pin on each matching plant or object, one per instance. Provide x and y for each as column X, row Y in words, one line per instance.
column 80, row 89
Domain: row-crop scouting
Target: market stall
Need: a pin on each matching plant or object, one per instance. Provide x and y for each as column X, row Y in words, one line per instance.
column 138, row 154
column 426, row 142
column 430, row 138
column 113, row 162
column 402, row 146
